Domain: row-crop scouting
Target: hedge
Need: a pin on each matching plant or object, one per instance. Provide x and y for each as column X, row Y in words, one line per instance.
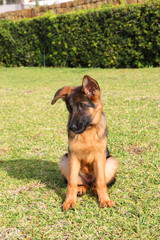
column 119, row 37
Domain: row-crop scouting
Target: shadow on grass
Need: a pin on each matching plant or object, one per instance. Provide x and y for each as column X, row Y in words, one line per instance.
column 46, row 172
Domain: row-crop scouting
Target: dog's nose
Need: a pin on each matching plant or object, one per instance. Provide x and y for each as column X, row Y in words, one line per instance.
column 72, row 127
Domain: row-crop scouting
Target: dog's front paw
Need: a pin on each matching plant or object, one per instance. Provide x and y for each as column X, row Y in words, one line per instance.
column 68, row 204
column 107, row 204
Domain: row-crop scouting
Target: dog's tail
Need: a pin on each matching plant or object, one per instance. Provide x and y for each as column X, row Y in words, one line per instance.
column 111, row 169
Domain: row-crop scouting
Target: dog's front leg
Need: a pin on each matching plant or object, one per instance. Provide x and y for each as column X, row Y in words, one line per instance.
column 71, row 197
column 101, row 187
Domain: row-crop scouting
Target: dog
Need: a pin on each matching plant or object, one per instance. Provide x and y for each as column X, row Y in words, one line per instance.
column 88, row 163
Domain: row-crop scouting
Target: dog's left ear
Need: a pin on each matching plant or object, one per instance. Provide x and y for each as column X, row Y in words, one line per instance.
column 62, row 93
column 90, row 86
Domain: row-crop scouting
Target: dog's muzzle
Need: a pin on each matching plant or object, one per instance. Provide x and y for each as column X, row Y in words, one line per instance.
column 76, row 129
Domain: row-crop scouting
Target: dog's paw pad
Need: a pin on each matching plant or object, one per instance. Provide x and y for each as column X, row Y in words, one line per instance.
column 67, row 205
column 111, row 204
column 107, row 204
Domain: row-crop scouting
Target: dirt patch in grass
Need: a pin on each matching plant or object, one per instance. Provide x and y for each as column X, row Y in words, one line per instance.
column 25, row 188
column 3, row 150
column 27, row 91
column 134, row 149
column 11, row 233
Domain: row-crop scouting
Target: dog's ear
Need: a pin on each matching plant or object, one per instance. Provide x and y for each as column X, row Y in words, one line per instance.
column 62, row 93
column 90, row 86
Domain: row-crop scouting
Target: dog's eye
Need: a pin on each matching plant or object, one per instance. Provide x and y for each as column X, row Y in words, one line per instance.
column 81, row 106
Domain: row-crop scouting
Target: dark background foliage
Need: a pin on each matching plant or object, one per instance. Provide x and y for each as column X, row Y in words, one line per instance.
column 119, row 37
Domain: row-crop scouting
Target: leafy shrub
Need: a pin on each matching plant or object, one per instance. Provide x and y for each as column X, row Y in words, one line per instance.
column 127, row 36
column 19, row 44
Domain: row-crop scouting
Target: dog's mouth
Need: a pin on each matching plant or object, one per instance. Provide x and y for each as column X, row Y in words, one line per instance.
column 78, row 128
column 79, row 131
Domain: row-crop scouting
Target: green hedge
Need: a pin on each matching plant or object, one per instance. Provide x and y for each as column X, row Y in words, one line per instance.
column 127, row 36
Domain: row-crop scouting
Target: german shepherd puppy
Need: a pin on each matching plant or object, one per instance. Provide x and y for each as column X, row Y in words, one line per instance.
column 88, row 162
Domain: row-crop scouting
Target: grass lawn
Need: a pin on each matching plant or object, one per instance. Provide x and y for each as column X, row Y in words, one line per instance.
column 33, row 137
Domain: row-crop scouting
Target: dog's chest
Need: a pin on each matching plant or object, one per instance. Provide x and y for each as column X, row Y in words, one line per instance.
column 87, row 145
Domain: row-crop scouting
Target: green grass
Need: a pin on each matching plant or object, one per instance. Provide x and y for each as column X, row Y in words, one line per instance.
column 33, row 137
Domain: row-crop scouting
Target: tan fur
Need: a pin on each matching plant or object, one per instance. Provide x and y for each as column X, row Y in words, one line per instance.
column 86, row 165
column 111, row 166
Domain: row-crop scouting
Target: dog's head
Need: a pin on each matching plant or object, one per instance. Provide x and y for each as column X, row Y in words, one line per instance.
column 83, row 103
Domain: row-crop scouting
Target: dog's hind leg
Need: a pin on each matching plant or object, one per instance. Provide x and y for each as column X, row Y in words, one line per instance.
column 111, row 167
column 64, row 168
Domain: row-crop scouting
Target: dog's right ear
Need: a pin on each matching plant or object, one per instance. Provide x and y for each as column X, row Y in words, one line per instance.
column 62, row 93
column 90, row 87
